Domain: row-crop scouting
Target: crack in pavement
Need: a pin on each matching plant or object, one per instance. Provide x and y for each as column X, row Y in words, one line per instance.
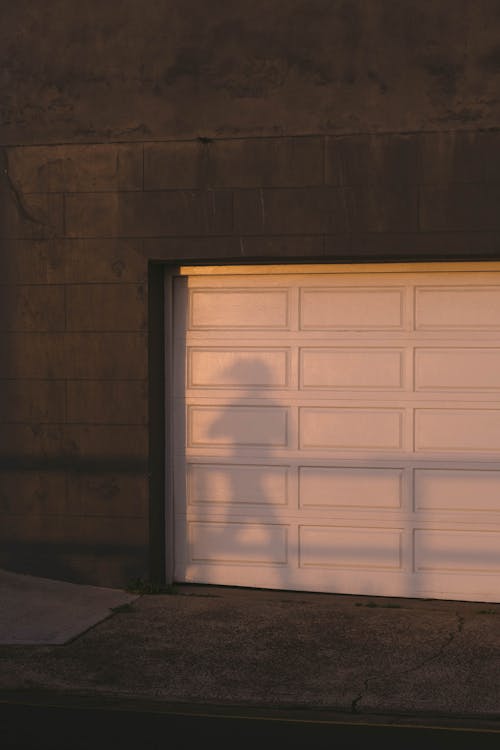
column 451, row 637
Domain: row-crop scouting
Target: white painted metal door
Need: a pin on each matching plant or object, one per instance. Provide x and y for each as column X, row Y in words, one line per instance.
column 339, row 432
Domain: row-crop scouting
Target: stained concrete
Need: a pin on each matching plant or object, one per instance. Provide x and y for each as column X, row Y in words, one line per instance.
column 96, row 72
column 217, row 647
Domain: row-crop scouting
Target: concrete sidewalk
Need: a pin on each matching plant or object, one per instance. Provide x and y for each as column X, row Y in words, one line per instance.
column 216, row 647
column 39, row 611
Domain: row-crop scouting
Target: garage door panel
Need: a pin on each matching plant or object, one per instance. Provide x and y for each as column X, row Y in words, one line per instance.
column 472, row 430
column 457, row 308
column 234, row 426
column 236, row 484
column 342, row 546
column 238, row 543
column 328, row 487
column 217, row 367
column 457, row 368
column 339, row 432
column 351, row 309
column 455, row 550
column 351, row 368
column 454, row 490
column 348, row 429
column 238, row 308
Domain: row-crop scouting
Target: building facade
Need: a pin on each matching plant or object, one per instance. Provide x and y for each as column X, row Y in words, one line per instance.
column 250, row 294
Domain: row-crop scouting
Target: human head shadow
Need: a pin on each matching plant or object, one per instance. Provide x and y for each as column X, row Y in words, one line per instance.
column 251, row 417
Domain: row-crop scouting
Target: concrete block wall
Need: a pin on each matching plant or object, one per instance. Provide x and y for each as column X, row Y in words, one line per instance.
column 73, row 369
column 79, row 226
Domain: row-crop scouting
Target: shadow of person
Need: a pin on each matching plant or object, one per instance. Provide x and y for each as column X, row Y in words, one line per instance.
column 243, row 485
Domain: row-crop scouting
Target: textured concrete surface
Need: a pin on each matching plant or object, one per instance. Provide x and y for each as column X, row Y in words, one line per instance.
column 40, row 611
column 87, row 233
column 227, row 647
column 127, row 71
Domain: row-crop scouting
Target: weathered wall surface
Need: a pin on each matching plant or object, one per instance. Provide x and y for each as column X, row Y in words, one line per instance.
column 80, row 224
column 73, row 373
column 192, row 131
column 126, row 70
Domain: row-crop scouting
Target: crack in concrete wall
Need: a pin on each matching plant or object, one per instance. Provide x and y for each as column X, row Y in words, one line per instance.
column 17, row 194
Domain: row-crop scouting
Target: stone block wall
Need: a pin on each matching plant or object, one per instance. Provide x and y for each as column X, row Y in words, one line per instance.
column 81, row 226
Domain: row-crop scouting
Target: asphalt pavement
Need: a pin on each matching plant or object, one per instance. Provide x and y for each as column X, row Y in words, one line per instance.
column 197, row 649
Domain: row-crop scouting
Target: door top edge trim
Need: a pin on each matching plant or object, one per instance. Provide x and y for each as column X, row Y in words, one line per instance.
column 338, row 268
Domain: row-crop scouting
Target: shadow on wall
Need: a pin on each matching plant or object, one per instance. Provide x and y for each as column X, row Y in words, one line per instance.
column 40, row 538
column 365, row 525
column 110, row 565
column 248, row 432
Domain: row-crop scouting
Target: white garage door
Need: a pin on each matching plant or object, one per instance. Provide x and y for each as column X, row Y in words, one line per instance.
column 339, row 431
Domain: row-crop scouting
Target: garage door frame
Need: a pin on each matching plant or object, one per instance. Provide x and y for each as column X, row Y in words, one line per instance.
column 253, row 268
